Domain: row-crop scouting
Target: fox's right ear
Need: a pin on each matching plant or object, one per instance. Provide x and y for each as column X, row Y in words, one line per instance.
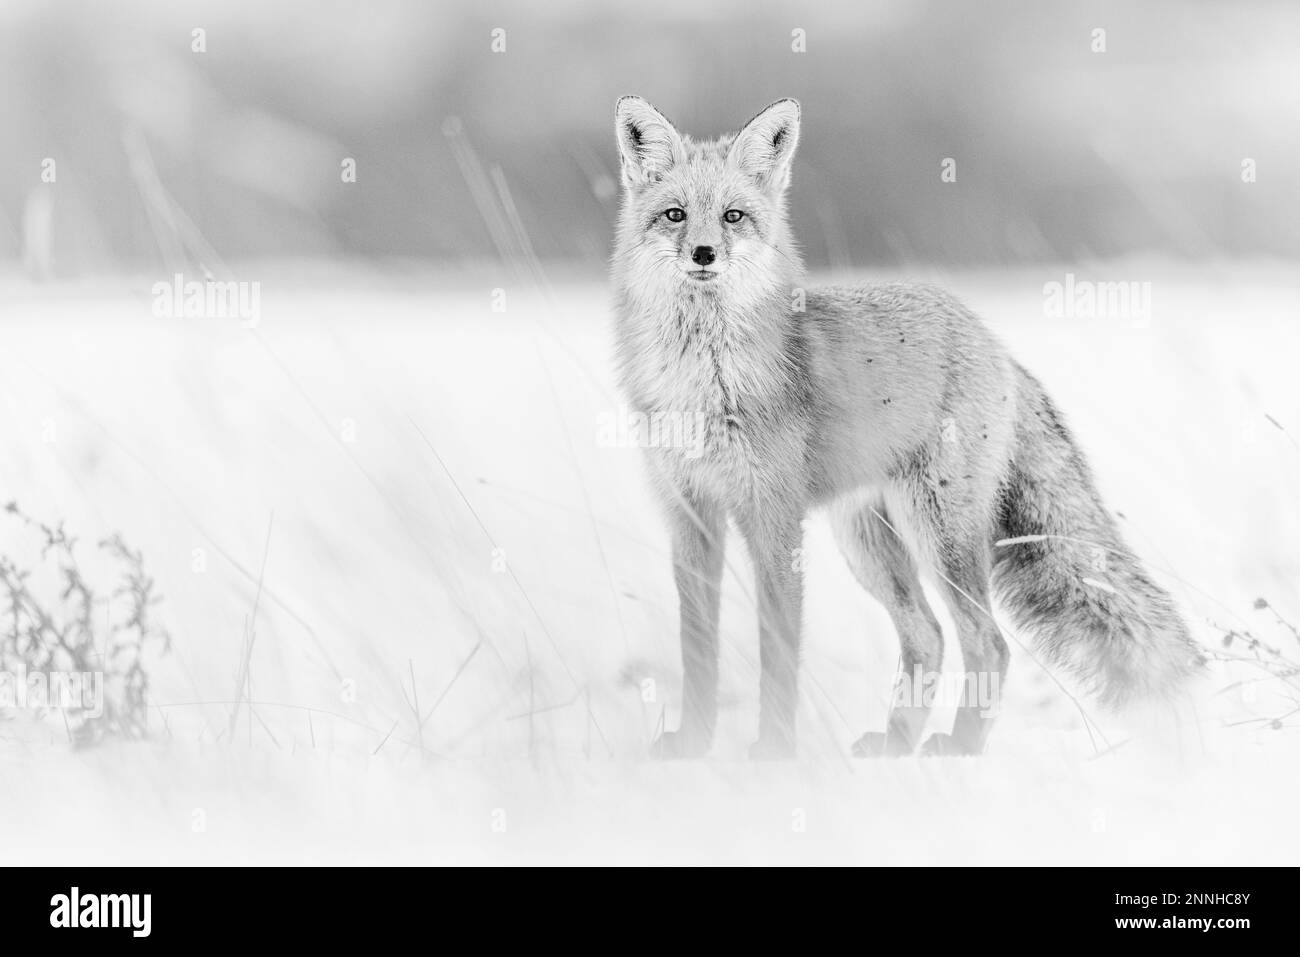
column 648, row 144
column 764, row 148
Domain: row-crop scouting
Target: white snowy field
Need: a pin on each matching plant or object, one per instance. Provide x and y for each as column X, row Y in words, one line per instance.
column 415, row 480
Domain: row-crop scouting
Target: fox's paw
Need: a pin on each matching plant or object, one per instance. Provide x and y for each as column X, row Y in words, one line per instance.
column 677, row 745
column 940, row 745
column 772, row 749
column 878, row 744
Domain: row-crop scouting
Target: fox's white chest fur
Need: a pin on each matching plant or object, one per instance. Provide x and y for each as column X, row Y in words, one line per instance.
column 717, row 369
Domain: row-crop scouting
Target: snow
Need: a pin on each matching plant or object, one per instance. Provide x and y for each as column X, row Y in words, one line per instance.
column 421, row 477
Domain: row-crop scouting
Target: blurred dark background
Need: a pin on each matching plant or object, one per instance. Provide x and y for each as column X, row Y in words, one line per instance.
column 164, row 155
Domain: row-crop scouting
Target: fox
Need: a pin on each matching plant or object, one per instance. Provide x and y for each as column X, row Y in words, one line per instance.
column 890, row 406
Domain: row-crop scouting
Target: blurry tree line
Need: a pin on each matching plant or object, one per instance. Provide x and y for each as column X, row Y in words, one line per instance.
column 140, row 135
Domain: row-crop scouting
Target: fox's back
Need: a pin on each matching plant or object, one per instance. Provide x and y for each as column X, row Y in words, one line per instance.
column 907, row 371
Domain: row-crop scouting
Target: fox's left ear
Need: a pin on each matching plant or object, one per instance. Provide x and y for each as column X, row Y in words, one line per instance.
column 764, row 148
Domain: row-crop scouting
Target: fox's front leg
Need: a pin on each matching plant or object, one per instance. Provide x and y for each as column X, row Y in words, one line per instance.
column 775, row 534
column 698, row 531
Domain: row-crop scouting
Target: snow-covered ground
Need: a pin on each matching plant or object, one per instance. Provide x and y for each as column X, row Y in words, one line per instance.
column 416, row 480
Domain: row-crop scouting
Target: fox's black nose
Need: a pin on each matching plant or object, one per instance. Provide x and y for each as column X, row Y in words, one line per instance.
column 703, row 255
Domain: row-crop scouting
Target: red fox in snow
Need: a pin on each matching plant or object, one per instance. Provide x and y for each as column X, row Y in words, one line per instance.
column 891, row 404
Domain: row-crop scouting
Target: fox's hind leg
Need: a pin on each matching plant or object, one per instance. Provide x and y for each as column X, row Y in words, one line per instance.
column 965, row 567
column 884, row 566
column 949, row 492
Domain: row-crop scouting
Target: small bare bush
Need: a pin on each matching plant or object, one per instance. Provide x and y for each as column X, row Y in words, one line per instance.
column 77, row 627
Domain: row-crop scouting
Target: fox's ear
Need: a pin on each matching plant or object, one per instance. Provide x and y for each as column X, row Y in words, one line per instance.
column 764, row 148
column 648, row 144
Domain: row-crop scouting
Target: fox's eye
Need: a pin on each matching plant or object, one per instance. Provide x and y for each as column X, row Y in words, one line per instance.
column 675, row 215
column 733, row 215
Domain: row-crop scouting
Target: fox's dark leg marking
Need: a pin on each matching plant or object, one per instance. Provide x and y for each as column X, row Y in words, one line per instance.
column 886, row 569
column 698, row 530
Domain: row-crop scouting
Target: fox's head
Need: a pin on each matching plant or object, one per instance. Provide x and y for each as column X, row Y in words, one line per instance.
column 705, row 218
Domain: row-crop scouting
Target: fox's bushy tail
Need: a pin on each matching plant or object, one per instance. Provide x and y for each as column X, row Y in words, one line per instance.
column 1068, row 579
